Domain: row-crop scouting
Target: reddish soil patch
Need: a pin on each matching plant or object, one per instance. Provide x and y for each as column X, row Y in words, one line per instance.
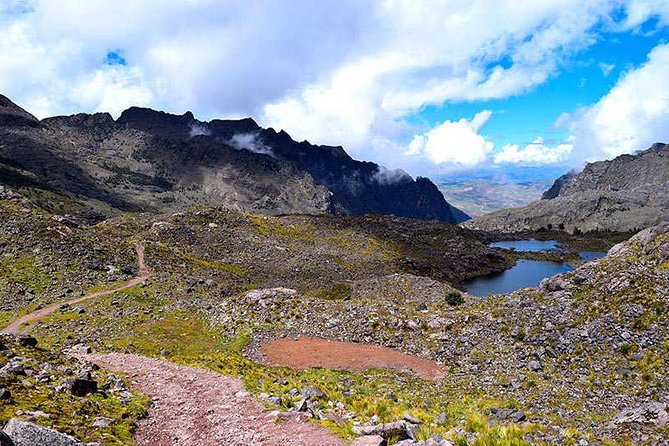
column 17, row 325
column 305, row 352
column 200, row 407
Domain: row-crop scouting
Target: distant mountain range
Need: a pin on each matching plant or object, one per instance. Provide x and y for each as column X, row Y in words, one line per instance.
column 147, row 160
column 628, row 193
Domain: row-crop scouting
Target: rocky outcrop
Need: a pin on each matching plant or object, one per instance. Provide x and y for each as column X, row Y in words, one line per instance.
column 150, row 160
column 626, row 194
column 23, row 433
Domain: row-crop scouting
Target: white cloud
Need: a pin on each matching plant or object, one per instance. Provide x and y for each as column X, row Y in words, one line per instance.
column 454, row 142
column 340, row 72
column 535, row 153
column 632, row 116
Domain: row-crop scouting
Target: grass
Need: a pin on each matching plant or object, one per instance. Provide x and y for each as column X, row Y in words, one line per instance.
column 67, row 413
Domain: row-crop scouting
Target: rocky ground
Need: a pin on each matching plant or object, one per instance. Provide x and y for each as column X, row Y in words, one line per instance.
column 579, row 360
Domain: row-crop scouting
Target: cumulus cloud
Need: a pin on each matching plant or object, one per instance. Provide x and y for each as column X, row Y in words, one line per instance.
column 632, row 116
column 339, row 72
column 454, row 142
column 534, row 153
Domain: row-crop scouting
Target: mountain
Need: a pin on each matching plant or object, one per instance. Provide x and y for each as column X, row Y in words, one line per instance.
column 149, row 160
column 625, row 194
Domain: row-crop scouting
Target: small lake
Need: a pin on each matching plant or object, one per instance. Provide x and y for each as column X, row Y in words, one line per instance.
column 531, row 245
column 525, row 273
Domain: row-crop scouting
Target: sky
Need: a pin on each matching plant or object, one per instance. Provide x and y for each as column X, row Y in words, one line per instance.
column 431, row 87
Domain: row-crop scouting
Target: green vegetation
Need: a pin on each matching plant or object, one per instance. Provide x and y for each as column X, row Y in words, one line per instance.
column 67, row 413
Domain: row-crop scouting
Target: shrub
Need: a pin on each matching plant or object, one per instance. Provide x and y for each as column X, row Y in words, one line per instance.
column 454, row 298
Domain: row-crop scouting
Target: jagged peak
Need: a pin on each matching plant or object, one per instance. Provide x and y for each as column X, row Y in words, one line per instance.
column 12, row 114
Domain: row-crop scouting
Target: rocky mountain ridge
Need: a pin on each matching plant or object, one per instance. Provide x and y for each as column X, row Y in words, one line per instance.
column 625, row 194
column 149, row 160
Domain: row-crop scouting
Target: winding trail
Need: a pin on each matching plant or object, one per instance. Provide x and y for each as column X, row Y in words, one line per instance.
column 142, row 275
column 192, row 406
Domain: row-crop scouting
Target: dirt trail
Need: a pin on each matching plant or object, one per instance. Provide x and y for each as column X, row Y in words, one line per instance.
column 199, row 407
column 142, row 275
column 305, row 352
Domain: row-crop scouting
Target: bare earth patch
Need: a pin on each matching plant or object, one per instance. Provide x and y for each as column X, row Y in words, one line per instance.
column 305, row 352
column 200, row 407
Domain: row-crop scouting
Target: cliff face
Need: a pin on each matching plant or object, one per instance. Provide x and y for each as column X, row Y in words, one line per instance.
column 152, row 161
column 628, row 193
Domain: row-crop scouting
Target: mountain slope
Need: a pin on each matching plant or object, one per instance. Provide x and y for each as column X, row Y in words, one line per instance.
column 625, row 194
column 154, row 161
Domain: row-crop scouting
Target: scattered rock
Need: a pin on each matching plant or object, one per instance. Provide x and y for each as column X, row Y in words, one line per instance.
column 5, row 394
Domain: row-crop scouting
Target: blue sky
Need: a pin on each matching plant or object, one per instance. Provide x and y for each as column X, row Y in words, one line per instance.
column 430, row 87
column 581, row 82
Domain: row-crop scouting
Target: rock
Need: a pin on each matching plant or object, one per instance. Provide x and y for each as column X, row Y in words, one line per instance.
column 535, row 366
column 518, row 416
column 650, row 413
column 407, row 442
column 369, row 440
column 396, row 429
column 311, row 392
column 23, row 433
column 5, row 440
column 26, row 340
column 275, row 400
column 80, row 387
column 80, row 349
column 442, row 418
column 103, row 422
column 13, row 368
column 410, row 418
column 301, row 406
column 5, row 394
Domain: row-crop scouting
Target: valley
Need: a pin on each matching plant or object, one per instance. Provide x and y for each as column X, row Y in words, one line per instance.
column 147, row 298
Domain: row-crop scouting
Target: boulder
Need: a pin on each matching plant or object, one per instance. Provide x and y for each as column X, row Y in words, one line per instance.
column 23, row 433
column 396, row 429
column 650, row 413
column 311, row 393
column 80, row 387
column 369, row 440
column 26, row 340
column 5, row 440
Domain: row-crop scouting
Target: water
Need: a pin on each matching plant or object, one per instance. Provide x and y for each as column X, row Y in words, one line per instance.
column 526, row 273
column 591, row 255
column 531, row 245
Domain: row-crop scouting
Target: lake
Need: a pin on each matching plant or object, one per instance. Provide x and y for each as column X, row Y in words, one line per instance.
column 525, row 273
column 531, row 245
